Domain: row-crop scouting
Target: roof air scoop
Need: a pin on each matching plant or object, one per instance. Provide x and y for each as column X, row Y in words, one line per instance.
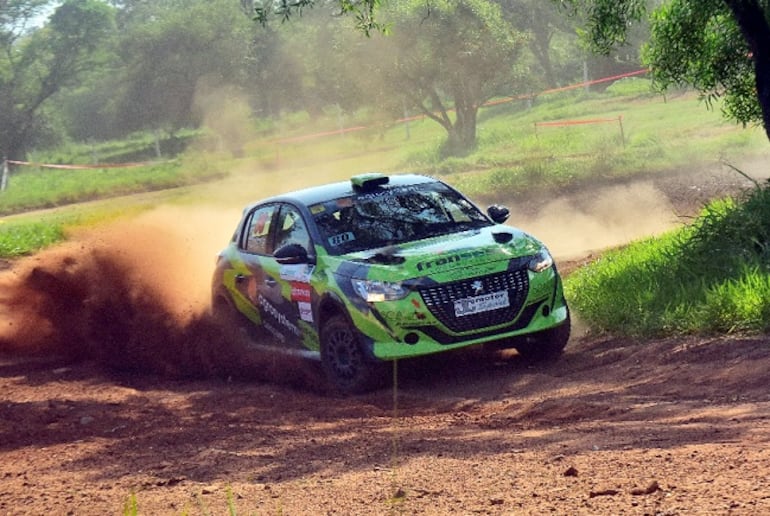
column 367, row 182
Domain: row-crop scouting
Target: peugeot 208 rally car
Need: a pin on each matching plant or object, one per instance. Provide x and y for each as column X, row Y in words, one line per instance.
column 380, row 268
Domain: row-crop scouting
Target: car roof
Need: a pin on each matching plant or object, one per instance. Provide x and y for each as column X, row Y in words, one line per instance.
column 322, row 193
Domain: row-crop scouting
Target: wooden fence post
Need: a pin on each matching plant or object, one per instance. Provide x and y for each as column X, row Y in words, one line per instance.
column 4, row 179
column 622, row 134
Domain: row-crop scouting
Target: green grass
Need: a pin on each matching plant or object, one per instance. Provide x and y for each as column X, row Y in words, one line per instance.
column 135, row 148
column 657, row 136
column 711, row 277
column 32, row 188
column 26, row 233
column 22, row 238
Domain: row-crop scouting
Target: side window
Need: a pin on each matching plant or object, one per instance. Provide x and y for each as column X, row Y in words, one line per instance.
column 258, row 230
column 291, row 228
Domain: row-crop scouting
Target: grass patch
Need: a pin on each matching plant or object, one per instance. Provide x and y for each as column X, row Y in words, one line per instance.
column 22, row 238
column 24, row 234
column 32, row 188
column 712, row 277
column 137, row 147
column 655, row 134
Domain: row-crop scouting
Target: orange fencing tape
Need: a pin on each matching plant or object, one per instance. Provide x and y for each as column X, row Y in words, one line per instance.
column 566, row 88
column 578, row 122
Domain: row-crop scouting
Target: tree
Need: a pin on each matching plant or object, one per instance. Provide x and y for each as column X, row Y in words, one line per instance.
column 170, row 48
column 721, row 47
column 450, row 56
column 550, row 32
column 363, row 11
column 35, row 64
column 274, row 76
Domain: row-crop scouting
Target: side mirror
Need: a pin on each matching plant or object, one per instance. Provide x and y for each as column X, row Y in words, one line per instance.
column 498, row 213
column 290, row 254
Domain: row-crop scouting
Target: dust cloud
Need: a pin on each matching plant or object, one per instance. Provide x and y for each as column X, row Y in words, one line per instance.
column 224, row 111
column 607, row 217
column 134, row 296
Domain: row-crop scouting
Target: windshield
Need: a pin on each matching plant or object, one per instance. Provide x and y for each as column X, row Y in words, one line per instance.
column 391, row 216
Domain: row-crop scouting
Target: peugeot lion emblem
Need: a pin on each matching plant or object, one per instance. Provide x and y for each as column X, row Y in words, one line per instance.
column 478, row 287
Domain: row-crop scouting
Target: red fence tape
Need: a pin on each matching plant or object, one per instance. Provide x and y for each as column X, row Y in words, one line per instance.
column 578, row 122
column 566, row 88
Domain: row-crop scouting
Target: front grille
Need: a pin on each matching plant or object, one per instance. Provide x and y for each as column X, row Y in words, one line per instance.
column 440, row 300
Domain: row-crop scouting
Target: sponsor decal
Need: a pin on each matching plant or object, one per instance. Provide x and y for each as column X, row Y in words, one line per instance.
column 403, row 317
column 484, row 303
column 465, row 272
column 274, row 332
column 299, row 272
column 417, row 313
column 305, row 311
column 452, row 259
column 300, row 291
column 280, row 318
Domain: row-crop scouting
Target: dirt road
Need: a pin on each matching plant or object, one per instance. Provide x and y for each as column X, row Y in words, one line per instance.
column 614, row 427
column 678, row 426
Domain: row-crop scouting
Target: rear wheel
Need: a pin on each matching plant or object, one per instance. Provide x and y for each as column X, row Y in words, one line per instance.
column 343, row 360
column 546, row 344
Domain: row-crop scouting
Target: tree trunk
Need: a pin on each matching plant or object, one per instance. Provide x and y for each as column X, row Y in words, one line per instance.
column 466, row 127
column 540, row 47
column 755, row 28
column 462, row 137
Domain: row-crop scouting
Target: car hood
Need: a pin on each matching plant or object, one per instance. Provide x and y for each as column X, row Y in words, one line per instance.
column 439, row 255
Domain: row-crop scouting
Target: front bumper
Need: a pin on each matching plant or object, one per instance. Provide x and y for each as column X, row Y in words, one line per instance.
column 411, row 327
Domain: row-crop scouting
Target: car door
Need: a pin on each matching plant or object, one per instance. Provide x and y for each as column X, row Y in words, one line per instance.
column 285, row 294
column 255, row 245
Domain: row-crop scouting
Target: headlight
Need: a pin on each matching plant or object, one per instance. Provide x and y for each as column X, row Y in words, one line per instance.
column 373, row 291
column 541, row 261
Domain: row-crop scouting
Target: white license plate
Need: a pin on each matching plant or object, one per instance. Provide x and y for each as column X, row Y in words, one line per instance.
column 485, row 303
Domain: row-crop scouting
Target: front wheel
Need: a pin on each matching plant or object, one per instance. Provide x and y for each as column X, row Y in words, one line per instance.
column 343, row 360
column 546, row 344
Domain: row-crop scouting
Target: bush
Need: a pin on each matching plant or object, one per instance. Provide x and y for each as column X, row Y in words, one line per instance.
column 710, row 277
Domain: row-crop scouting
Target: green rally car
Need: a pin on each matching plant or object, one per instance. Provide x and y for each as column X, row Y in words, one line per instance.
column 380, row 268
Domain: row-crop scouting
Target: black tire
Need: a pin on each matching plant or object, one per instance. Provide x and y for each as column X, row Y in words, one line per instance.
column 344, row 363
column 544, row 345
